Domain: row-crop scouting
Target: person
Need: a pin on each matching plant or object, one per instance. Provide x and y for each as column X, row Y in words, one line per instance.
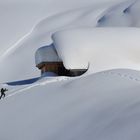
column 3, row 93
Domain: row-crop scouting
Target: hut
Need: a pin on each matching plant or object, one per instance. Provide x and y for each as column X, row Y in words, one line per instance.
column 50, row 64
column 48, row 61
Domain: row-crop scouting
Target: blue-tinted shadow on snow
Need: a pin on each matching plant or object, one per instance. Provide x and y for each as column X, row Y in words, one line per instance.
column 31, row 81
column 23, row 82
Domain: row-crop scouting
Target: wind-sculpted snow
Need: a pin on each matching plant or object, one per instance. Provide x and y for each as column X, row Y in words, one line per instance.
column 97, row 15
column 94, row 106
column 46, row 53
column 102, row 48
column 19, row 16
column 102, row 106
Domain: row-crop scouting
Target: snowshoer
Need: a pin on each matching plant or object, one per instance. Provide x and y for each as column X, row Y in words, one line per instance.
column 3, row 92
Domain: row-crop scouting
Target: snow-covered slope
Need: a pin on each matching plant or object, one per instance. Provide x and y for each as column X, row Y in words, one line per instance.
column 113, row 13
column 97, row 106
column 19, row 17
column 102, row 106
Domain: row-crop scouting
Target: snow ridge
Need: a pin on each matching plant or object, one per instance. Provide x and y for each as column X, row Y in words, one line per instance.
column 106, row 15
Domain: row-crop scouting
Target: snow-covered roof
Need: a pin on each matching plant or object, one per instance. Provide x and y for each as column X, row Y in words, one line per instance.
column 101, row 48
column 46, row 54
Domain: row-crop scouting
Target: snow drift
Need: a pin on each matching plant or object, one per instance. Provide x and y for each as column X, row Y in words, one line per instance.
column 46, row 53
column 102, row 48
column 124, row 13
column 99, row 106
column 102, row 106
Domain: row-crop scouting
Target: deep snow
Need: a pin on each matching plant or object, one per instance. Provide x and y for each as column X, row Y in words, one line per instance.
column 101, row 48
column 46, row 54
column 99, row 106
column 93, row 15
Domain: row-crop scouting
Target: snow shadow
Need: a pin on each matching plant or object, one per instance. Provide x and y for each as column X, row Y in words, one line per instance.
column 23, row 82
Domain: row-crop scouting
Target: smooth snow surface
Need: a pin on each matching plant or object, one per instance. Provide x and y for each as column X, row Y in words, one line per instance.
column 101, row 35
column 102, row 48
column 84, row 14
column 46, row 54
column 102, row 106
